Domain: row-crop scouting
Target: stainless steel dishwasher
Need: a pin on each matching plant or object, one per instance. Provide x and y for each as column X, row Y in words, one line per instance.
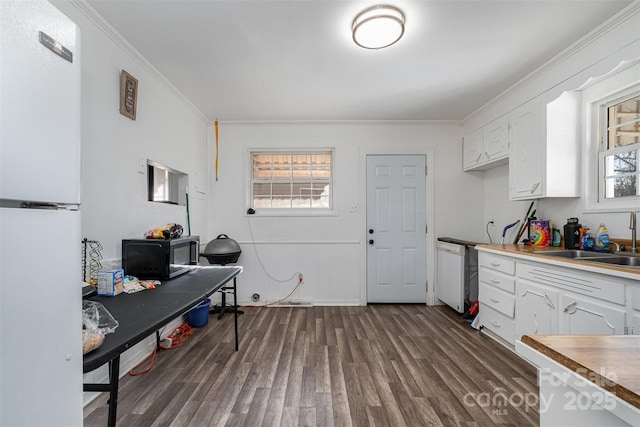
column 457, row 273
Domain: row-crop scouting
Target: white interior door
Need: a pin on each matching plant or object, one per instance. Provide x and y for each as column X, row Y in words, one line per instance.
column 396, row 229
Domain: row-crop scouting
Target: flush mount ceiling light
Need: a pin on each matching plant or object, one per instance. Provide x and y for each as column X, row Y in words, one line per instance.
column 378, row 27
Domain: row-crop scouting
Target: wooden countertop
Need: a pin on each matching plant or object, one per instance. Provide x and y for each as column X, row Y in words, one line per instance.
column 536, row 252
column 609, row 361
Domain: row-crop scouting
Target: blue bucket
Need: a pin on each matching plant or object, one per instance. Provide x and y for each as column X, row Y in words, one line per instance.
column 198, row 316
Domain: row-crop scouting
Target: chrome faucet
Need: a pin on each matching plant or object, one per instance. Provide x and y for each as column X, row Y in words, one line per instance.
column 632, row 226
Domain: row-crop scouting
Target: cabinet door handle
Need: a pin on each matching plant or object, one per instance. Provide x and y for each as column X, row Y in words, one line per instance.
column 494, row 264
column 478, row 158
column 487, row 155
column 573, row 304
column 595, row 313
column 495, row 281
column 534, row 187
column 543, row 296
column 494, row 300
column 496, row 324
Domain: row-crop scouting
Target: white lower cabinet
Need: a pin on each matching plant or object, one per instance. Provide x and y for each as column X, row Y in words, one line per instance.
column 537, row 309
column 523, row 297
column 582, row 315
column 495, row 293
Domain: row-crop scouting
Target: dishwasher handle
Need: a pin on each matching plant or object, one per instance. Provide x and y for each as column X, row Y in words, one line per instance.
column 451, row 248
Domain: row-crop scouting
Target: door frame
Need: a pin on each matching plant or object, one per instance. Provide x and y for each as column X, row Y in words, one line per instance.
column 429, row 212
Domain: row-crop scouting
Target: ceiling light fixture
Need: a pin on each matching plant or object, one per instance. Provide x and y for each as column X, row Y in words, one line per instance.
column 378, row 27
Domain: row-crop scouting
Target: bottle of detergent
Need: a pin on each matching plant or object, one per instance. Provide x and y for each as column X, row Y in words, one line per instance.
column 602, row 239
column 588, row 244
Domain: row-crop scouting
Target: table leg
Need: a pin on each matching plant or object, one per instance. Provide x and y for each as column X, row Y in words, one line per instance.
column 111, row 387
column 114, row 373
column 235, row 312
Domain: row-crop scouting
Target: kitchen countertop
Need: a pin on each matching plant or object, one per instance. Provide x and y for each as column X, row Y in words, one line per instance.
column 534, row 253
column 457, row 241
column 609, row 361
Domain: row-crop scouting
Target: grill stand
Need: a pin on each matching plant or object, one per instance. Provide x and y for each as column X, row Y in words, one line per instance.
column 224, row 307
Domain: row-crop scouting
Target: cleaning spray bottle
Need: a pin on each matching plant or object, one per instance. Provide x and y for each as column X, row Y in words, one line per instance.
column 602, row 239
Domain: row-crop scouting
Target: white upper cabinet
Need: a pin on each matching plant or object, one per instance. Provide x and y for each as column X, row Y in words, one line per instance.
column 496, row 140
column 544, row 154
column 487, row 147
column 472, row 150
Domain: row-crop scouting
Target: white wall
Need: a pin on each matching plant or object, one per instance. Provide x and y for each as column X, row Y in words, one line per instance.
column 593, row 56
column 167, row 130
column 329, row 251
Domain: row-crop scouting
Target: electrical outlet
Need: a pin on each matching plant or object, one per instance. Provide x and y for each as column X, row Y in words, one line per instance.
column 353, row 208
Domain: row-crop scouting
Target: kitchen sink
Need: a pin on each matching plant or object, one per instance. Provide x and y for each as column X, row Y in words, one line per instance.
column 627, row 261
column 631, row 260
column 572, row 253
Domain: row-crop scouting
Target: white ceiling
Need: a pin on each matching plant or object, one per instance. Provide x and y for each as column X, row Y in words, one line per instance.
column 295, row 60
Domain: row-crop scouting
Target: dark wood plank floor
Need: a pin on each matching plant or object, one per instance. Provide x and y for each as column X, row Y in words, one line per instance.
column 379, row 365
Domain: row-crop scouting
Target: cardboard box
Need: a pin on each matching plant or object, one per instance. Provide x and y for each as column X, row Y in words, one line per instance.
column 110, row 282
column 540, row 232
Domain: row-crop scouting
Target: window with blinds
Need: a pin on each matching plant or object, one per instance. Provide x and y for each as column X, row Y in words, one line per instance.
column 291, row 180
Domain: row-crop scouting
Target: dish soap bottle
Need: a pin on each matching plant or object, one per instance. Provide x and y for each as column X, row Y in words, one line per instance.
column 602, row 239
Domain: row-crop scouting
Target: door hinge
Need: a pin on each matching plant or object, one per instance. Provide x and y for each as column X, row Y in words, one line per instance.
column 426, row 170
column 426, row 229
column 427, row 285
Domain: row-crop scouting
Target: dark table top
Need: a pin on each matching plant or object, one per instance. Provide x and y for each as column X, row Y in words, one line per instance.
column 141, row 314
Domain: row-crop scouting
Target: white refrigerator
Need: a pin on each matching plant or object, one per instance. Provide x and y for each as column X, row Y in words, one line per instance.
column 40, row 238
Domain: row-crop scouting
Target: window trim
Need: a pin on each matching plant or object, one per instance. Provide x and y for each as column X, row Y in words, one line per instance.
column 621, row 83
column 603, row 151
column 289, row 212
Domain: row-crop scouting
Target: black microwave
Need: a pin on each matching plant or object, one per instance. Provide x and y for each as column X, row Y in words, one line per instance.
column 160, row 259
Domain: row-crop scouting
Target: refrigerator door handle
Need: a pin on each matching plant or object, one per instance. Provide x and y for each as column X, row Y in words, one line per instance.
column 22, row 204
column 51, row 206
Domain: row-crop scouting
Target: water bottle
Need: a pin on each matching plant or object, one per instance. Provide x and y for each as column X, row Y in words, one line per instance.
column 572, row 234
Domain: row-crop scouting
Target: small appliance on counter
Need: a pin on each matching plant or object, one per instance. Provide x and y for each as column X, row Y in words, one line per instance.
column 160, row 259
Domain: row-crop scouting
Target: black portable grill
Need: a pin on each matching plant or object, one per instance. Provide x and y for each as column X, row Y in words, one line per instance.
column 222, row 250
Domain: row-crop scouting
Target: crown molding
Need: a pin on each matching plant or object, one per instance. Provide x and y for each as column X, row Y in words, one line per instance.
column 102, row 25
column 615, row 21
column 453, row 123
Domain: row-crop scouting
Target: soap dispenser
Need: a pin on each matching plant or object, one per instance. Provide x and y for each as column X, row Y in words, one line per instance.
column 602, row 239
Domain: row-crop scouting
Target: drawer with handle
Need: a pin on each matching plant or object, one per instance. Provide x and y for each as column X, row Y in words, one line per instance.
column 497, row 262
column 497, row 300
column 498, row 323
column 499, row 280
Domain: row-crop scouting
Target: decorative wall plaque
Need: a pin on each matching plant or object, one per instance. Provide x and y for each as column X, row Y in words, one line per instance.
column 128, row 95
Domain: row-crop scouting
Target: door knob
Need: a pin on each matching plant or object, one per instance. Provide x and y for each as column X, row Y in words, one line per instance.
column 371, row 242
column 371, row 231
